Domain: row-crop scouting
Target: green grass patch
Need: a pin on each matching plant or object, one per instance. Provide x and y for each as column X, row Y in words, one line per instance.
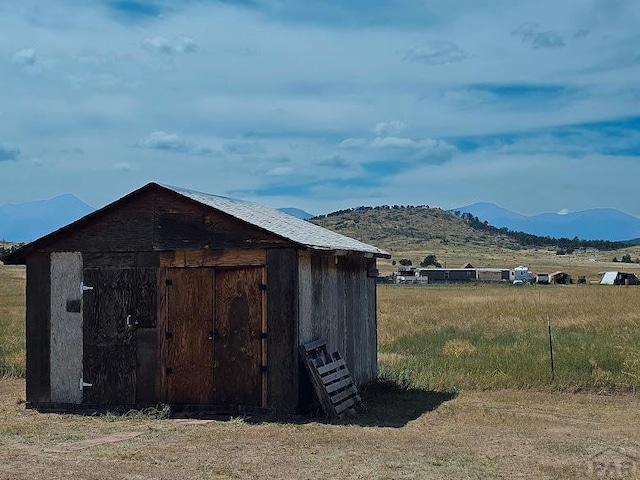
column 449, row 358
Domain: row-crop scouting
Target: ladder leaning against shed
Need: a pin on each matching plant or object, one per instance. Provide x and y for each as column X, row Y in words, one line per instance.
column 331, row 378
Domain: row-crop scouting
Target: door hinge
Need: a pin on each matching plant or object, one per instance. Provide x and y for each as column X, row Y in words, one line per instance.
column 169, row 370
column 168, row 282
column 262, row 287
column 84, row 384
column 263, row 369
column 168, row 335
column 262, row 335
column 84, row 288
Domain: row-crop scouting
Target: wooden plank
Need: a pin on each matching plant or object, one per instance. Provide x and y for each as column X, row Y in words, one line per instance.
column 111, row 369
column 146, row 365
column 189, row 356
column 38, row 317
column 348, row 403
column 162, row 386
column 332, row 387
column 66, row 327
column 106, row 306
column 331, row 366
column 110, row 259
column 214, row 258
column 342, row 395
column 305, row 299
column 335, row 391
column 314, row 345
column 282, row 329
column 372, row 322
column 238, row 321
column 144, row 297
column 332, row 377
column 264, row 350
column 118, row 297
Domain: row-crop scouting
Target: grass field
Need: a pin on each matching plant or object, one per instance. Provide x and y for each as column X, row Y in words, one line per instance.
column 12, row 311
column 466, row 393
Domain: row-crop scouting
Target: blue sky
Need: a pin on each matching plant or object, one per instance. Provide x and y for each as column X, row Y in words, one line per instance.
column 324, row 105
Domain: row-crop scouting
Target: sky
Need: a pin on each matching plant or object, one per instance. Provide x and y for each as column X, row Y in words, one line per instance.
column 325, row 105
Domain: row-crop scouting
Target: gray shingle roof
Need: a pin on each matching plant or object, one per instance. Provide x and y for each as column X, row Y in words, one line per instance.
column 295, row 229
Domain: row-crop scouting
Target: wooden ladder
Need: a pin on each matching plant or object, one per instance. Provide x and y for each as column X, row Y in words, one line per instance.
column 331, row 379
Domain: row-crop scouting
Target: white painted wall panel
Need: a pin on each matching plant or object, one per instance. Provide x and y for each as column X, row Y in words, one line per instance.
column 66, row 328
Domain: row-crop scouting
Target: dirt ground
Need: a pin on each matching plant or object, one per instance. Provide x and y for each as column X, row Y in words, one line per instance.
column 404, row 434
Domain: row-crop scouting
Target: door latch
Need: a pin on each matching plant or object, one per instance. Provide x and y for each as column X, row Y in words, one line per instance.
column 84, row 384
column 131, row 323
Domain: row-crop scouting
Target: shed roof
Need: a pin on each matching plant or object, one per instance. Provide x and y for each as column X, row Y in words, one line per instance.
column 296, row 230
column 292, row 228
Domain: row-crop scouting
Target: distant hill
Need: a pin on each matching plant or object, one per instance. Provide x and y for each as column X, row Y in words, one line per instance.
column 296, row 212
column 411, row 228
column 593, row 224
column 26, row 222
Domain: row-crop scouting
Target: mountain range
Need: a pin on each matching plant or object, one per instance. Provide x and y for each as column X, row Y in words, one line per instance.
column 592, row 224
column 27, row 221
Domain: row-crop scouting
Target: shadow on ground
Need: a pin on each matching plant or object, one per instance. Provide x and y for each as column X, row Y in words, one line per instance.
column 388, row 405
column 384, row 404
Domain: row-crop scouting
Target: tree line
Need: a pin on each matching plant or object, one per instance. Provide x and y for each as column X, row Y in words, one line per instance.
column 563, row 245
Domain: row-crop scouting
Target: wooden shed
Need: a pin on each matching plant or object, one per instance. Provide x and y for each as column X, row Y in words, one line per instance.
column 175, row 296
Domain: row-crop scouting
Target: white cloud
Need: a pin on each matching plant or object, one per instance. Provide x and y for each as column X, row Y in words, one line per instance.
column 100, row 80
column 394, row 127
column 532, row 34
column 122, row 166
column 280, row 171
column 243, row 147
column 8, row 153
column 26, row 57
column 436, row 53
column 254, row 80
column 353, row 143
column 163, row 45
column 394, row 142
column 172, row 142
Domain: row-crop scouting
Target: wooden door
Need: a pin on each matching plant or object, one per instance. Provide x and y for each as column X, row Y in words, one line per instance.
column 238, row 322
column 189, row 335
column 117, row 302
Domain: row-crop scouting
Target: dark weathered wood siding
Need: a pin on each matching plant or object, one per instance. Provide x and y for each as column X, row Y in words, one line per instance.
column 128, row 252
column 38, row 328
column 128, row 228
column 282, row 331
column 337, row 301
column 181, row 224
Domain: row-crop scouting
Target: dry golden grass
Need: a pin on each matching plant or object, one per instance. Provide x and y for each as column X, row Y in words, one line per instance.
column 405, row 433
column 485, row 336
column 506, row 434
column 406, row 310
column 12, row 314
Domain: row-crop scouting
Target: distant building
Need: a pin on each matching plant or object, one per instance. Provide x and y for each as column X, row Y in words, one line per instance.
column 619, row 278
column 561, row 278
